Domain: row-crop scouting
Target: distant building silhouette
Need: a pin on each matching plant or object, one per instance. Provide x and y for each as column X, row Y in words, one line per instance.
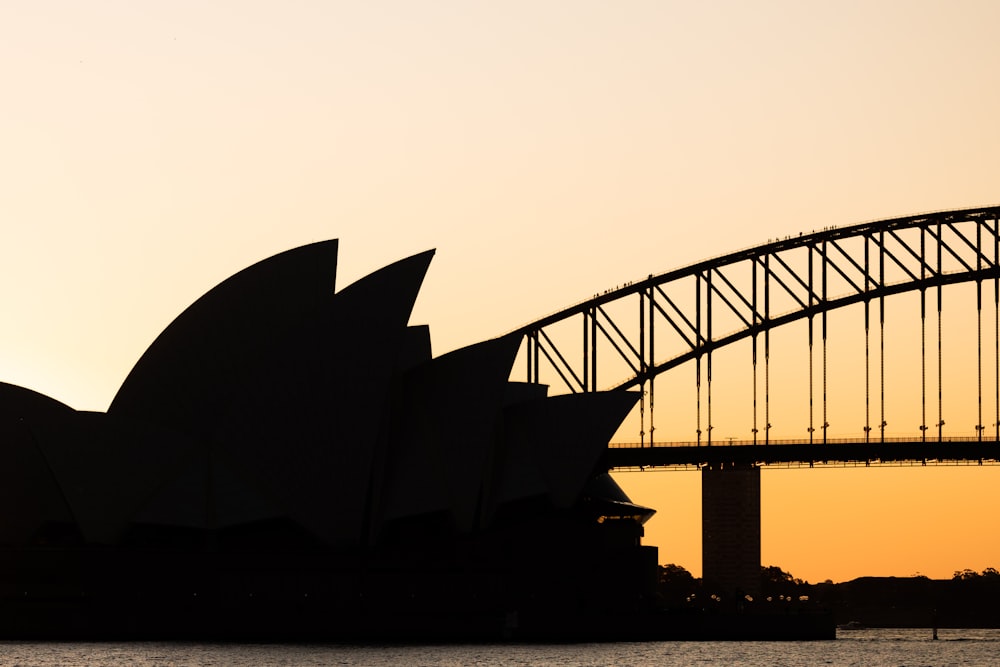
column 290, row 461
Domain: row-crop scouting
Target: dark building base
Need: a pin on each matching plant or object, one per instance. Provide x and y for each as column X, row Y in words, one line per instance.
column 94, row 594
column 88, row 620
column 75, row 620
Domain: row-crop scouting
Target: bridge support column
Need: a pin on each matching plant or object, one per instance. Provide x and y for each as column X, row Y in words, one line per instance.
column 730, row 529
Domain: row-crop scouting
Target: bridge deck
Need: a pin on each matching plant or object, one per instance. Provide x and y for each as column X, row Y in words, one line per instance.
column 621, row 456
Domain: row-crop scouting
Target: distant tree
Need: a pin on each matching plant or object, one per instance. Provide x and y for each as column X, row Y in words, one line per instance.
column 965, row 575
column 775, row 575
column 675, row 574
column 775, row 582
column 676, row 584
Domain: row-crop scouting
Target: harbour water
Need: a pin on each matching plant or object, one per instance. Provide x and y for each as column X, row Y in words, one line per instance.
column 870, row 648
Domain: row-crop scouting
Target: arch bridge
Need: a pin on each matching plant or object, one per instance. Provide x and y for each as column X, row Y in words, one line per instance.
column 748, row 305
column 688, row 315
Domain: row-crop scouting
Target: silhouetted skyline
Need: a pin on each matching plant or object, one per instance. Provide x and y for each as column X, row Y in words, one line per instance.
column 548, row 152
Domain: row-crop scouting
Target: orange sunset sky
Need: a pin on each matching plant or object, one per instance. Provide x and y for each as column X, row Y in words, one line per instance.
column 548, row 150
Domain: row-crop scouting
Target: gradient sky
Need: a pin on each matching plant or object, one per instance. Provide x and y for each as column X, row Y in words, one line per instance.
column 548, row 150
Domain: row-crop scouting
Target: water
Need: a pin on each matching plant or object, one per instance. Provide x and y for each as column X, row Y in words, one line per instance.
column 874, row 648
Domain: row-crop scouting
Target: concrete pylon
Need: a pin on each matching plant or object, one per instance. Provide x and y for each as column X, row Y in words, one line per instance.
column 730, row 529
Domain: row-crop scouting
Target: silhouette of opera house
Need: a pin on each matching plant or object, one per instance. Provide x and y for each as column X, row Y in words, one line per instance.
column 290, row 461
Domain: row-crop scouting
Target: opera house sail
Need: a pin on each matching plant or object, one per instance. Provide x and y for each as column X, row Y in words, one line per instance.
column 290, row 461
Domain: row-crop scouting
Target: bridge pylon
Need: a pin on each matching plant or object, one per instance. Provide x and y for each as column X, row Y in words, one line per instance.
column 730, row 529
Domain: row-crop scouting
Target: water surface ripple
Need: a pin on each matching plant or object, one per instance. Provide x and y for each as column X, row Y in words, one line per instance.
column 868, row 648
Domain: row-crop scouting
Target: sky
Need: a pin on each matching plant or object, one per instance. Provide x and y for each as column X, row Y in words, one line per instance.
column 547, row 150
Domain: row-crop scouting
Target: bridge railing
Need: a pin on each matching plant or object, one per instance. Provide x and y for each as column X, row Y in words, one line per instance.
column 874, row 440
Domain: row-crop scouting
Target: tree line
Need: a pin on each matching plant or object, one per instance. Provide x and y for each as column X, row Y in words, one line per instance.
column 969, row 599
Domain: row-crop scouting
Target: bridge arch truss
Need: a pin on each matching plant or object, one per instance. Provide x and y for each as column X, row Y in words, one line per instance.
column 707, row 306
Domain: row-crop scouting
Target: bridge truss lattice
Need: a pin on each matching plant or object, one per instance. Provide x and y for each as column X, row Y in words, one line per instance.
column 748, row 294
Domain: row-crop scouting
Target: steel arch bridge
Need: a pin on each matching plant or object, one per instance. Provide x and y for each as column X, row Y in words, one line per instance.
column 648, row 327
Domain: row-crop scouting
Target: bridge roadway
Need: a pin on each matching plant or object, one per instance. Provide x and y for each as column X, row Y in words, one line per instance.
column 839, row 451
